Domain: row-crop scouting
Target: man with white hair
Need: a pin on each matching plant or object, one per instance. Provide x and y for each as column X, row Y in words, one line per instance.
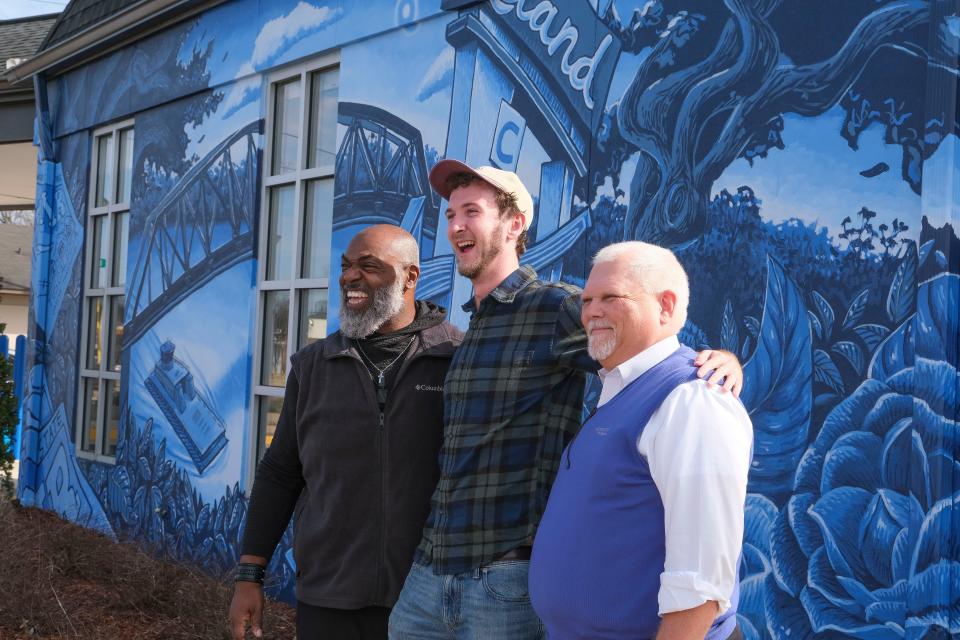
column 355, row 450
column 642, row 533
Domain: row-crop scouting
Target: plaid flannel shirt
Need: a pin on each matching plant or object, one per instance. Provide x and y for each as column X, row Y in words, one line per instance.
column 513, row 398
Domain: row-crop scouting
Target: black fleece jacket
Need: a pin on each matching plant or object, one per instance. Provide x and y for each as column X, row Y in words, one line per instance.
column 357, row 481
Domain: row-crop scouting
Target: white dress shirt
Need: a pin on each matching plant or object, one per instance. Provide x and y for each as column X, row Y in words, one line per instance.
column 697, row 445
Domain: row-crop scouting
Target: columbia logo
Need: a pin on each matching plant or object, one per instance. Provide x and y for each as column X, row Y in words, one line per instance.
column 428, row 387
column 602, row 431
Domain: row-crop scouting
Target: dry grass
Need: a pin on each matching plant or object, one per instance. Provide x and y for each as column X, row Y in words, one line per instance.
column 58, row 580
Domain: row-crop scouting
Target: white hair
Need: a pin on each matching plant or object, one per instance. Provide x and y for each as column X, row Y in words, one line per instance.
column 653, row 269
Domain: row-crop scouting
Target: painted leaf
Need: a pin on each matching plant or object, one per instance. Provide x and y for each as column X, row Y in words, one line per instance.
column 729, row 336
column 855, row 311
column 826, row 314
column 825, row 372
column 825, row 399
column 902, row 297
column 852, row 353
column 778, row 387
column 745, row 349
column 941, row 259
column 930, row 334
column 871, row 334
column 815, row 324
column 752, row 325
column 925, row 251
column 118, row 490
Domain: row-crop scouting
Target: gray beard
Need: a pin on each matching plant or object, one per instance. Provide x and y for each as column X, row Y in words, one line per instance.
column 387, row 302
column 601, row 348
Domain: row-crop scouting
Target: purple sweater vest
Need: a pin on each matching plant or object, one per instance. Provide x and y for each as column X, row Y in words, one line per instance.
column 599, row 550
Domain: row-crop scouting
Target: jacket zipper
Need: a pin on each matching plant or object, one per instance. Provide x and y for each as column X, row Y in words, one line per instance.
column 383, row 465
column 382, row 437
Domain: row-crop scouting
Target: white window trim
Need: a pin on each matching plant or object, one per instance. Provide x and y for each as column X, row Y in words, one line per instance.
column 102, row 375
column 294, row 284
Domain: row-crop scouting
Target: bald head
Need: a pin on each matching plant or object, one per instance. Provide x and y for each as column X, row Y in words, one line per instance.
column 393, row 241
column 378, row 279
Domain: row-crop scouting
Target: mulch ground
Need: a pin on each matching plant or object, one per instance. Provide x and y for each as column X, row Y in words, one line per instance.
column 58, row 580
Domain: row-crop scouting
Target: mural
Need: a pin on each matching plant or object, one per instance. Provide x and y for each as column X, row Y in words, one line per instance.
column 800, row 157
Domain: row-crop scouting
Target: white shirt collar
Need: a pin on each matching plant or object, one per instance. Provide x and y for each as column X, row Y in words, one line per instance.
column 626, row 372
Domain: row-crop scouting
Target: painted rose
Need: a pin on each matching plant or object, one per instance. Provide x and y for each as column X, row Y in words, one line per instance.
column 863, row 548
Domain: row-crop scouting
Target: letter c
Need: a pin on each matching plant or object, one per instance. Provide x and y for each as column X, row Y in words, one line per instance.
column 502, row 155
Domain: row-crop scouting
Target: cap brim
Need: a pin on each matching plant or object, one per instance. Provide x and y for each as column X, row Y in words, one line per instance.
column 446, row 168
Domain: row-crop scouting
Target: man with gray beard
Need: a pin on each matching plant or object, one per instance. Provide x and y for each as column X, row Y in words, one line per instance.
column 355, row 450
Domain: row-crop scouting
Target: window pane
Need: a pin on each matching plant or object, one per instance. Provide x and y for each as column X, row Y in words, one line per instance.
column 112, row 419
column 317, row 225
column 125, row 166
column 313, row 316
column 94, row 316
column 286, row 127
column 276, row 311
column 323, row 119
column 116, row 332
column 98, row 253
column 269, row 416
column 91, row 398
column 121, row 229
column 104, row 170
column 280, row 242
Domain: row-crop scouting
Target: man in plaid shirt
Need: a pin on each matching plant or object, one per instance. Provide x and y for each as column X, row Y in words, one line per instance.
column 513, row 399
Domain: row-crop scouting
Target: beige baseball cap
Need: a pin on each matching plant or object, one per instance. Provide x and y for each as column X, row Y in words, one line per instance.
column 506, row 181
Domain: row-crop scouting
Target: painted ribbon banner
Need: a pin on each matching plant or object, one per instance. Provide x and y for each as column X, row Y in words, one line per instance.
column 572, row 44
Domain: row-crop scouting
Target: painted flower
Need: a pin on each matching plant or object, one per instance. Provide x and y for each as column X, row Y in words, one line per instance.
column 760, row 515
column 866, row 547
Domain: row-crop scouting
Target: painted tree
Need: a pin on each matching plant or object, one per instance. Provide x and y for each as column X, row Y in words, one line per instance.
column 720, row 76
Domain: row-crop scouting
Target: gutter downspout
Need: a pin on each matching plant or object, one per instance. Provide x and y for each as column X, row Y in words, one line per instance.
column 33, row 418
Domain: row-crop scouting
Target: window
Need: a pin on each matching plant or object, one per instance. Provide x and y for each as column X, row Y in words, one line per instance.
column 108, row 224
column 295, row 230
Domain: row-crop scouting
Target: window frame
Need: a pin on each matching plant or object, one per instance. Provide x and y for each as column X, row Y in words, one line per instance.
column 294, row 284
column 109, row 213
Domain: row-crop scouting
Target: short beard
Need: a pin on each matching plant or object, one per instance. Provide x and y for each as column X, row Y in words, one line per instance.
column 387, row 303
column 601, row 347
column 489, row 253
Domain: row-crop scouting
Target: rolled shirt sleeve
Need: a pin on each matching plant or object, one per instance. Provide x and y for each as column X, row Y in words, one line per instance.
column 698, row 446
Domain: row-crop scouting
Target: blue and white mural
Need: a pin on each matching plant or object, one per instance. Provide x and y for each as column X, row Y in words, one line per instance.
column 800, row 156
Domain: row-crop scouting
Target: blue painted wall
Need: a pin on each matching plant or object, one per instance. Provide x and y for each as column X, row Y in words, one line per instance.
column 800, row 156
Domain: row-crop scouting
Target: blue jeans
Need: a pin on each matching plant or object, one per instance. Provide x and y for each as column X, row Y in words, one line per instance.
column 489, row 603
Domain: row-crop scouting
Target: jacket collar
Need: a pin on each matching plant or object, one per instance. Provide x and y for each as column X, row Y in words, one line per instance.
column 506, row 292
column 440, row 339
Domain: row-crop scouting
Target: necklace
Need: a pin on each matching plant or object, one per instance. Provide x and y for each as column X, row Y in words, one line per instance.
column 381, row 372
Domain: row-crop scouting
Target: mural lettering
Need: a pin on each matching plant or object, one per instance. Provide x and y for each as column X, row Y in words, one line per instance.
column 508, row 138
column 580, row 73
